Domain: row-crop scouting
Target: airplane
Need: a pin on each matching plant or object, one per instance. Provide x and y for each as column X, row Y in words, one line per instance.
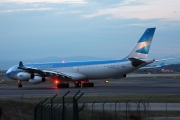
column 82, row 71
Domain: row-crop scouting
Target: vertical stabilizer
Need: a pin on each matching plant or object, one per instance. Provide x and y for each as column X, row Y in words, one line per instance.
column 141, row 49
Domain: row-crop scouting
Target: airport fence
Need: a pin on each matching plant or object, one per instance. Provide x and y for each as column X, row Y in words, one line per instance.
column 76, row 107
column 59, row 109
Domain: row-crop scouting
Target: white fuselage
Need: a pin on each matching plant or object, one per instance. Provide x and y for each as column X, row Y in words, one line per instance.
column 90, row 69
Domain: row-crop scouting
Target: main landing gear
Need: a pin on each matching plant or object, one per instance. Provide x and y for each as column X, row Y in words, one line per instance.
column 85, row 84
column 76, row 83
column 63, row 85
column 19, row 84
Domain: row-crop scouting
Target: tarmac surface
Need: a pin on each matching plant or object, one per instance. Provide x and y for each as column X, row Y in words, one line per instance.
column 126, row 86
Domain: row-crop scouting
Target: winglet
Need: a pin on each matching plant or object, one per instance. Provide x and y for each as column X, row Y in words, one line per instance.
column 21, row 64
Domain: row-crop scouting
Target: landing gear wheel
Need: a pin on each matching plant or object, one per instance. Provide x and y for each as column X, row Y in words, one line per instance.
column 63, row 85
column 67, row 85
column 19, row 85
column 76, row 85
column 87, row 84
column 83, row 84
column 91, row 84
column 58, row 85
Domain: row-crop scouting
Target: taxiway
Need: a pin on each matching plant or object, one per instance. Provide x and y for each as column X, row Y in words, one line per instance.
column 114, row 87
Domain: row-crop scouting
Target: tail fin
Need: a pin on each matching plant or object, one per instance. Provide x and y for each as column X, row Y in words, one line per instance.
column 141, row 49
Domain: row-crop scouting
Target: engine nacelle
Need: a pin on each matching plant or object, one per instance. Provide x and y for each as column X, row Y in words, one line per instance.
column 24, row 76
column 37, row 79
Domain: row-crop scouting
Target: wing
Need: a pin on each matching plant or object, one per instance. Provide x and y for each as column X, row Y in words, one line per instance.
column 47, row 73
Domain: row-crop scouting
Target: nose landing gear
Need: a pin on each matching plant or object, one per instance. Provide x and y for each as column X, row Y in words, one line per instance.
column 19, row 84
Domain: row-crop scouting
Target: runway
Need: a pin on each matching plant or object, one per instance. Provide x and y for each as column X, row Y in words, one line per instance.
column 126, row 86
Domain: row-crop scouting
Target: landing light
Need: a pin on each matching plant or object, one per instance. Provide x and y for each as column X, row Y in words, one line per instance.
column 56, row 81
column 106, row 81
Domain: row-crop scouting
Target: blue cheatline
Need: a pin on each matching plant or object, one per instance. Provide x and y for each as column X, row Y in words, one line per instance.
column 71, row 64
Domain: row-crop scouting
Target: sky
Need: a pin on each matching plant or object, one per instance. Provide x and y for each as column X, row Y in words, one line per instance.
column 35, row 29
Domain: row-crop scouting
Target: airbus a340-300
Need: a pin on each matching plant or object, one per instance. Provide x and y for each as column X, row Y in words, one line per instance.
column 82, row 72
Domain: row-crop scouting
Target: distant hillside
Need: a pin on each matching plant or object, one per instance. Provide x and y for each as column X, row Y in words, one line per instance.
column 172, row 66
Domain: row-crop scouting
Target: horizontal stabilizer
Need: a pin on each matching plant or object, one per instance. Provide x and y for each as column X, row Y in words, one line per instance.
column 164, row 59
column 160, row 65
column 153, row 67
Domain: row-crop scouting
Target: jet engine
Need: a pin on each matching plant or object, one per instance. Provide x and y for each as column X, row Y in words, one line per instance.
column 24, row 76
column 37, row 79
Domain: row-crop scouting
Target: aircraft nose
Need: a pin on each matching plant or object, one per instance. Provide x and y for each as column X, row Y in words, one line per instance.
column 8, row 73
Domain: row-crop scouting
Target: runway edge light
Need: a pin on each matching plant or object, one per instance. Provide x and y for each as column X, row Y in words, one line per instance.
column 106, row 81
